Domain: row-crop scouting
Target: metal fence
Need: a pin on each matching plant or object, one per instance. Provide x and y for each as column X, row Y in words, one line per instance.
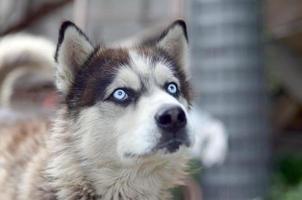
column 228, row 73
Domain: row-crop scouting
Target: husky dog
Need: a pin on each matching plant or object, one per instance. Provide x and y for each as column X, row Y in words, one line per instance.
column 122, row 131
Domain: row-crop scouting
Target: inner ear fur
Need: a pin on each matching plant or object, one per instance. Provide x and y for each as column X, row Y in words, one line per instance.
column 73, row 49
column 173, row 39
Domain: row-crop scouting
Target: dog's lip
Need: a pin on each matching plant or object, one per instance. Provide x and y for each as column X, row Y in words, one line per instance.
column 170, row 142
column 173, row 144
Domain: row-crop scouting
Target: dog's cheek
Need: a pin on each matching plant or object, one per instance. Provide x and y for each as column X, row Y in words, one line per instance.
column 137, row 133
column 95, row 132
column 136, row 143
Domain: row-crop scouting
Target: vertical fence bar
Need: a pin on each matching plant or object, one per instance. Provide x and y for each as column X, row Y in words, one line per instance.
column 80, row 9
column 228, row 73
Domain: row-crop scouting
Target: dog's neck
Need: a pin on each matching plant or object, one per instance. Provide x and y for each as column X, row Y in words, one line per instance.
column 149, row 179
column 144, row 180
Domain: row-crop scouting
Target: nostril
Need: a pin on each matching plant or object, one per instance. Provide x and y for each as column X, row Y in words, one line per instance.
column 181, row 117
column 165, row 119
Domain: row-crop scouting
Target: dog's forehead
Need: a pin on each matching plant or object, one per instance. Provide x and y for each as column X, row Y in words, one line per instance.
column 113, row 68
column 142, row 62
column 145, row 67
column 150, row 66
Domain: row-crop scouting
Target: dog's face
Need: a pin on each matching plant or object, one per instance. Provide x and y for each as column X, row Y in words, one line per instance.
column 131, row 101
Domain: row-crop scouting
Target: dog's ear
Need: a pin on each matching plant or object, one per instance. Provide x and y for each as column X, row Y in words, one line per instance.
column 73, row 49
column 174, row 40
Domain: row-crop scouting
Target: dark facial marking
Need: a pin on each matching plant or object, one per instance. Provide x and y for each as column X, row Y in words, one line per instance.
column 94, row 76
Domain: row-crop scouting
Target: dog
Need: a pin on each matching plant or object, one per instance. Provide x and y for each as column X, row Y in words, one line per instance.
column 122, row 130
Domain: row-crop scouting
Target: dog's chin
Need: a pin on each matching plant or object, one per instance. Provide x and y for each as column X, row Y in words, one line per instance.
column 165, row 148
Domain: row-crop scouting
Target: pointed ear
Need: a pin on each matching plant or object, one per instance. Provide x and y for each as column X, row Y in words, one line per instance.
column 73, row 49
column 174, row 40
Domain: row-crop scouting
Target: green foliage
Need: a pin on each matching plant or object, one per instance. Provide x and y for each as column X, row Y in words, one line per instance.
column 294, row 193
column 287, row 180
column 291, row 170
column 282, row 192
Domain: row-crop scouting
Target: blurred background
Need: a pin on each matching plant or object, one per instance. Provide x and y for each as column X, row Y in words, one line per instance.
column 246, row 71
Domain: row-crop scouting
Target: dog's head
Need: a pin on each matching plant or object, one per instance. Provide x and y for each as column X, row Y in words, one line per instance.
column 131, row 101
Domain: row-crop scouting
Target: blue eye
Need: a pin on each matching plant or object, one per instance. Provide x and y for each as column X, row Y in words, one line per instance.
column 123, row 96
column 172, row 88
column 120, row 95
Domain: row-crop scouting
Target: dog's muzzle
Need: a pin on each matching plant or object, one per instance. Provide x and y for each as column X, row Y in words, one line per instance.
column 172, row 121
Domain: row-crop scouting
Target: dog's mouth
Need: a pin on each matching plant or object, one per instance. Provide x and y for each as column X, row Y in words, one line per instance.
column 167, row 147
column 168, row 143
column 172, row 141
column 172, row 145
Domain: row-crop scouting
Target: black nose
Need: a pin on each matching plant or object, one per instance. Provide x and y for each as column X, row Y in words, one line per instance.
column 171, row 118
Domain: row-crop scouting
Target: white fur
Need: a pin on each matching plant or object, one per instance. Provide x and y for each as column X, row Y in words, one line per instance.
column 139, row 63
column 161, row 71
column 20, row 45
column 125, row 77
column 211, row 140
column 21, row 54
column 163, row 74
column 8, row 85
column 142, row 135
